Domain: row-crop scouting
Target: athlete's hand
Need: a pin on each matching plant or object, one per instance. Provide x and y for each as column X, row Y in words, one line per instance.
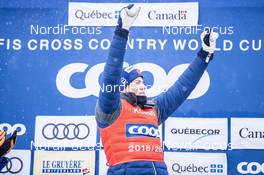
column 208, row 45
column 209, row 41
column 127, row 16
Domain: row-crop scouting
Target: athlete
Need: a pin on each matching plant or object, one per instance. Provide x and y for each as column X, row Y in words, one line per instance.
column 128, row 122
column 5, row 146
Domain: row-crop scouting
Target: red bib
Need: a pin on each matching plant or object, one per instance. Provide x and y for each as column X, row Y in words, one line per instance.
column 134, row 136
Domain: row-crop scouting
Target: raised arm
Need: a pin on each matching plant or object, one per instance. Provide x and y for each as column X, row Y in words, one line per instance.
column 109, row 101
column 169, row 101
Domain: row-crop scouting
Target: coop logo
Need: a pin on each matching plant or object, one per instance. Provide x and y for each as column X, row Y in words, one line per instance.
column 192, row 168
column 161, row 80
column 19, row 127
column 179, row 15
column 250, row 168
column 142, row 130
column 95, row 14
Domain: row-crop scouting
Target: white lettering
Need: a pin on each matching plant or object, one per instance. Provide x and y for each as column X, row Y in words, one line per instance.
column 250, row 168
column 161, row 80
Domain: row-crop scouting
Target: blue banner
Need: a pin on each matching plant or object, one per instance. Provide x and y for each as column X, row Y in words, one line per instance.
column 49, row 68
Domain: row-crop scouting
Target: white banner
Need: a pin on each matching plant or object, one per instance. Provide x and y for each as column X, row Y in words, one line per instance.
column 59, row 132
column 18, row 162
column 247, row 133
column 151, row 14
column 183, row 163
column 64, row 162
column 196, row 133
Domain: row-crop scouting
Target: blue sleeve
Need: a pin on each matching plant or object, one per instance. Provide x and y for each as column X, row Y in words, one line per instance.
column 170, row 100
column 109, row 100
column 3, row 162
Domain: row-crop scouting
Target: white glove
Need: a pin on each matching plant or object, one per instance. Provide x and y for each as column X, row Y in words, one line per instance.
column 128, row 16
column 209, row 41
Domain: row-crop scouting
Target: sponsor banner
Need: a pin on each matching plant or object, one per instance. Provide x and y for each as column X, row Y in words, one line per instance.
column 161, row 79
column 78, row 132
column 9, row 128
column 246, row 162
column 247, row 133
column 151, row 14
column 18, row 162
column 103, row 165
column 158, row 132
column 64, row 162
column 196, row 163
column 196, row 133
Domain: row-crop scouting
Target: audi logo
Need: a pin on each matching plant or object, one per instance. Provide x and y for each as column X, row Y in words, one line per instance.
column 14, row 166
column 62, row 131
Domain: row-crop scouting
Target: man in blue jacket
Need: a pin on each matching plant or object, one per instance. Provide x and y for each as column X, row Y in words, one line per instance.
column 128, row 122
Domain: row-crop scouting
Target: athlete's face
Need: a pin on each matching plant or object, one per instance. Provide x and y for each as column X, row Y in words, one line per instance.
column 137, row 86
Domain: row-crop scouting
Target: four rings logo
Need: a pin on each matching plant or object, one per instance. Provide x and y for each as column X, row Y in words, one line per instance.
column 69, row 131
column 161, row 79
column 14, row 166
column 21, row 129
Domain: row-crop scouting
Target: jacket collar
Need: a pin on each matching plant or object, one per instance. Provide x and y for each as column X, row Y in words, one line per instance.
column 131, row 98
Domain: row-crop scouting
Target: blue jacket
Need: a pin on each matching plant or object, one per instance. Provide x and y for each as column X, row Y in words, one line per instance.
column 109, row 105
column 3, row 162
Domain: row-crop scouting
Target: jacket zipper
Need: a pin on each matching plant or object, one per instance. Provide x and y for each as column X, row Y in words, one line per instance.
column 155, row 171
